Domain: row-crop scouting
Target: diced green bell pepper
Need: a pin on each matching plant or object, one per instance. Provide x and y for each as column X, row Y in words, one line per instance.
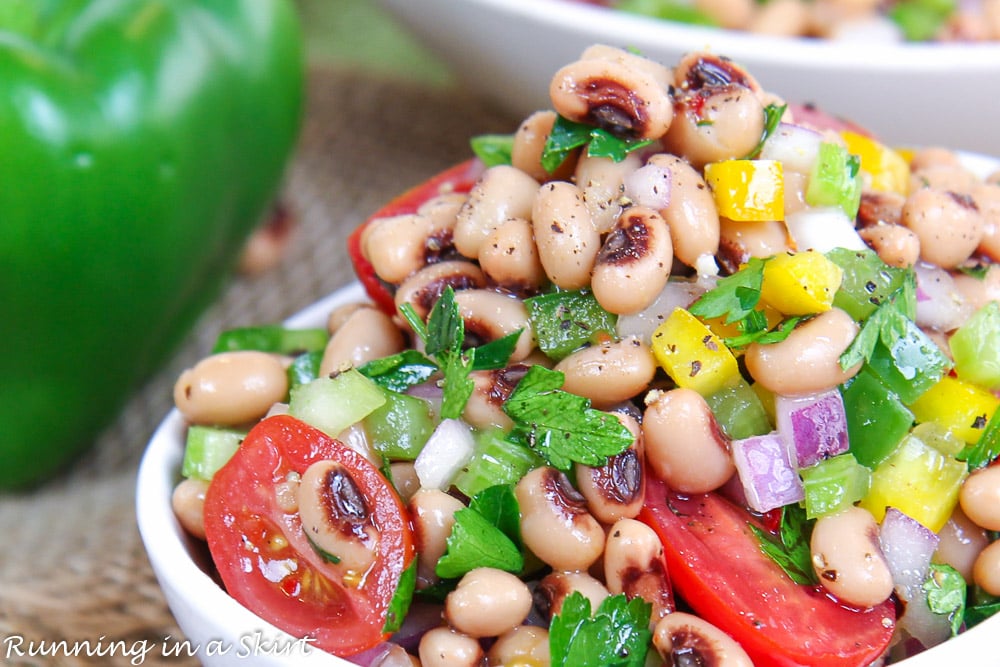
column 739, row 410
column 566, row 320
column 274, row 338
column 834, row 484
column 876, row 419
column 835, row 179
column 142, row 141
column 400, row 427
column 975, row 347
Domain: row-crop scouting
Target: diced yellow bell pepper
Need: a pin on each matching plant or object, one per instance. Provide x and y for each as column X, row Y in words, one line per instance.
column 888, row 170
column 693, row 356
column 958, row 406
column 801, row 283
column 919, row 481
column 748, row 190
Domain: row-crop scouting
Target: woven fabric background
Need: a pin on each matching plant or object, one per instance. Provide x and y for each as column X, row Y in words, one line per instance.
column 72, row 565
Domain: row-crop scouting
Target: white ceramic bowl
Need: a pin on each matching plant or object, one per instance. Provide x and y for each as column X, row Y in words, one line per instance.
column 913, row 94
column 226, row 633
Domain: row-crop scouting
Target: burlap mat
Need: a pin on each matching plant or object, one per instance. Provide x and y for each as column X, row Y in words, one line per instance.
column 72, row 566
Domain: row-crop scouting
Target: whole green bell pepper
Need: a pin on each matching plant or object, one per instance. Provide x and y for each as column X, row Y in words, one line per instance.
column 141, row 141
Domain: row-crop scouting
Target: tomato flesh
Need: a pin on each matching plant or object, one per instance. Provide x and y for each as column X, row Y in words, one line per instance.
column 265, row 559
column 459, row 178
column 717, row 567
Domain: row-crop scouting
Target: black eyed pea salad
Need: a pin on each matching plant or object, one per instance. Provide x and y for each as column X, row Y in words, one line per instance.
column 675, row 373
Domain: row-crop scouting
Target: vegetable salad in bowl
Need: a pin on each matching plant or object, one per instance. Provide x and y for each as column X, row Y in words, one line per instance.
column 675, row 373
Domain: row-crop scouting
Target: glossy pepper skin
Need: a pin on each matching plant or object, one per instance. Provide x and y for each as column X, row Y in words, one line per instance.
column 141, row 141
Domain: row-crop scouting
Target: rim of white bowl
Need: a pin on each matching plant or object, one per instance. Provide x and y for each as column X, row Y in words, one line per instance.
column 623, row 28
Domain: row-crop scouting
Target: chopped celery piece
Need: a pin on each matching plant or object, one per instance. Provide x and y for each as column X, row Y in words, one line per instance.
column 876, row 419
column 400, row 427
column 272, row 338
column 331, row 404
column 919, row 481
column 739, row 410
column 975, row 347
column 835, row 179
column 834, row 484
column 207, row 449
column 304, row 368
column 565, row 321
column 867, row 281
column 496, row 460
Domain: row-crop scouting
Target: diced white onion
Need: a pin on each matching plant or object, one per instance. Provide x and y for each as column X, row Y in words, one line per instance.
column 940, row 306
column 678, row 293
column 448, row 449
column 823, row 229
column 796, row 147
column 908, row 547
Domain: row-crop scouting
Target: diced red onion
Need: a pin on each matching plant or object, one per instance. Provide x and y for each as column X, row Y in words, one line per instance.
column 678, row 293
column 940, row 306
column 766, row 471
column 796, row 147
column 814, row 427
column 446, row 451
column 908, row 547
column 823, row 229
column 649, row 186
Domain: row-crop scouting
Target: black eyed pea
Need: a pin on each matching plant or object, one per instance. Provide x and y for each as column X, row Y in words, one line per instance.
column 684, row 444
column 716, row 123
column 692, row 216
column 404, row 478
column 847, row 558
column 484, row 409
column 615, row 90
column 555, row 523
column 490, row 315
column 960, row 542
column 335, row 516
column 634, row 565
column 729, row 14
column 487, row 603
column 231, row 388
column 658, row 71
column 524, row 645
column 553, row 589
column 880, row 208
column 808, row 361
column 615, row 490
column 610, row 372
column 529, row 143
column 685, row 637
column 396, row 656
column 340, row 314
column 444, row 208
column 948, row 225
column 785, row 18
column 977, row 291
column 502, row 192
column 986, row 569
column 895, row 245
column 703, row 70
column 567, row 240
column 979, row 497
column 399, row 245
column 433, row 515
column 739, row 241
column 367, row 334
column 188, row 502
column 945, row 177
column 422, row 289
column 634, row 262
column 934, row 156
column 987, row 198
column 510, row 259
column 445, row 647
column 602, row 183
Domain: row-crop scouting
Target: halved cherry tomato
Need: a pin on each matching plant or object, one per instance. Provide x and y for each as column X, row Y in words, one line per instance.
column 459, row 178
column 717, row 567
column 268, row 564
